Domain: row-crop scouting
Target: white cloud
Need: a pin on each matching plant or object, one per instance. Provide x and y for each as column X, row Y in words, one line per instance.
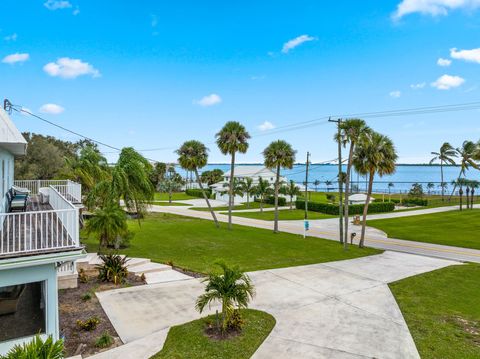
column 418, row 86
column 209, row 100
column 444, row 62
column 76, row 11
column 57, row 4
column 267, row 125
column 432, row 7
column 291, row 44
column 395, row 94
column 472, row 55
column 51, row 109
column 68, row 68
column 446, row 82
column 12, row 37
column 14, row 58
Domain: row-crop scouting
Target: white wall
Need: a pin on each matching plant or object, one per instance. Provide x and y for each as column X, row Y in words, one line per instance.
column 6, row 175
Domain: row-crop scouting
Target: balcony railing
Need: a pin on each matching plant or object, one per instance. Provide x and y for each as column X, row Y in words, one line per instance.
column 46, row 230
column 72, row 191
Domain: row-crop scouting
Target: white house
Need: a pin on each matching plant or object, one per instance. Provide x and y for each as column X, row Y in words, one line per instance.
column 358, row 198
column 39, row 244
column 220, row 189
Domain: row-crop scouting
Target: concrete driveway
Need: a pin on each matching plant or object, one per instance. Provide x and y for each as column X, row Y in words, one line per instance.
column 339, row 309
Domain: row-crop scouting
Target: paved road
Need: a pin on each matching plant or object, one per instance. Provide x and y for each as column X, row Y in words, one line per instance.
column 338, row 309
column 328, row 229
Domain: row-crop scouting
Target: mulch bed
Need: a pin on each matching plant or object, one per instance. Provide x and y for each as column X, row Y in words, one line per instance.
column 73, row 308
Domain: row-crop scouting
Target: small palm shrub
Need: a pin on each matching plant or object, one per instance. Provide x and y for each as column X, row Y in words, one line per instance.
column 88, row 324
column 114, row 268
column 82, row 276
column 104, row 341
column 37, row 349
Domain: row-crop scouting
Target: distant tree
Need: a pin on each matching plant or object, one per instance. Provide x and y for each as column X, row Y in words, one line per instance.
column 390, row 186
column 172, row 182
column 232, row 138
column 316, row 183
column 416, row 191
column 158, row 173
column 430, row 187
column 262, row 191
column 328, row 183
column 248, row 189
column 445, row 155
column 279, row 154
column 212, row 177
column 467, row 154
column 291, row 190
column 473, row 186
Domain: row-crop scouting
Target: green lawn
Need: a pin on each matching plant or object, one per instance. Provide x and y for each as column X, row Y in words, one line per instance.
column 166, row 203
column 177, row 196
column 189, row 341
column 442, row 312
column 252, row 205
column 284, row 215
column 196, row 244
column 453, row 228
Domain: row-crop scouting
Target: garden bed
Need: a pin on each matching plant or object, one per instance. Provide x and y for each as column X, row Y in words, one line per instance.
column 74, row 305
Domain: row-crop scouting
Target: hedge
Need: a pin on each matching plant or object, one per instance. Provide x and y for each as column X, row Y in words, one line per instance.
column 282, row 201
column 407, row 201
column 197, row 192
column 328, row 208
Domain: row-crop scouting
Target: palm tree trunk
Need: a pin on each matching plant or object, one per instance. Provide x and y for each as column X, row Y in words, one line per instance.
column 248, row 199
column 347, row 192
column 206, row 198
column 230, row 192
column 441, row 184
column 277, row 181
column 455, row 186
column 365, row 210
column 261, row 203
column 472, row 193
column 467, row 196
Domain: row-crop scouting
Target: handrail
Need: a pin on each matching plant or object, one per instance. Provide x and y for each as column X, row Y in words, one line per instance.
column 71, row 190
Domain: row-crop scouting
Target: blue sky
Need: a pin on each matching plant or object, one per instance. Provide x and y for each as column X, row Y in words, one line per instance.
column 152, row 74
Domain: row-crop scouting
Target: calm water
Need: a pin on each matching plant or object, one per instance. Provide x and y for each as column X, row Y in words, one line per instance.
column 402, row 179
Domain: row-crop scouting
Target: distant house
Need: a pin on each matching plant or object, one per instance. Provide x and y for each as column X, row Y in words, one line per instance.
column 358, row 198
column 39, row 244
column 220, row 189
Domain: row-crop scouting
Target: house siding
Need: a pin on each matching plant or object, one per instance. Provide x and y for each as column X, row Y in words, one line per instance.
column 6, row 176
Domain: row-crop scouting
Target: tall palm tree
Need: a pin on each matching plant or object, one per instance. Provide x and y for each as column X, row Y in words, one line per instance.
column 467, row 154
column 291, row 190
column 248, row 189
column 193, row 155
column 108, row 223
column 262, row 191
column 232, row 288
column 350, row 132
column 278, row 154
column 445, row 155
column 375, row 154
column 232, row 138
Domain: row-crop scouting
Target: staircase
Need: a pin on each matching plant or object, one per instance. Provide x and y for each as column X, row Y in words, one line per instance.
column 154, row 272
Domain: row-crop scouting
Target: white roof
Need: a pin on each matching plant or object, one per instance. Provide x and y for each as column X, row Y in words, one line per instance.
column 359, row 197
column 251, row 171
column 10, row 137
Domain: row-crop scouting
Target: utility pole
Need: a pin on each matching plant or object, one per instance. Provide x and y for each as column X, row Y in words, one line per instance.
column 306, row 187
column 340, row 184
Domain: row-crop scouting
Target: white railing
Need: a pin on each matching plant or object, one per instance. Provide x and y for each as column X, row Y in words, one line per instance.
column 69, row 189
column 40, row 231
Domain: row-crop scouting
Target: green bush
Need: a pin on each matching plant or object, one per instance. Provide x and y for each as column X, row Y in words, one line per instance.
column 113, row 269
column 353, row 209
column 282, row 201
column 37, row 348
column 88, row 324
column 104, row 341
column 406, row 201
column 197, row 192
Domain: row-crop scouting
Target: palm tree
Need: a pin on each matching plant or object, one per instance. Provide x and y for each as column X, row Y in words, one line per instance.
column 108, row 223
column 445, row 156
column 171, row 183
column 467, row 154
column 248, row 189
column 375, row 154
column 316, row 183
column 232, row 138
column 232, row 288
column 193, row 155
column 460, row 183
column 262, row 190
column 291, row 190
column 350, row 132
column 328, row 183
column 430, row 186
column 390, row 186
column 473, row 186
column 278, row 154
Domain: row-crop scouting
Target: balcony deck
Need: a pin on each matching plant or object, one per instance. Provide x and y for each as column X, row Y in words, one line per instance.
column 39, row 230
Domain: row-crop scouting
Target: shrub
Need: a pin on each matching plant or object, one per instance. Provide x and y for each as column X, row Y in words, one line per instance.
column 114, row 268
column 331, row 197
column 88, row 324
column 282, row 201
column 104, row 341
column 329, row 208
column 37, row 348
column 86, row 296
column 82, row 276
column 197, row 192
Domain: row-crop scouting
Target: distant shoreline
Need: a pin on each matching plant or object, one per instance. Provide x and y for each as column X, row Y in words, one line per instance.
column 335, row 164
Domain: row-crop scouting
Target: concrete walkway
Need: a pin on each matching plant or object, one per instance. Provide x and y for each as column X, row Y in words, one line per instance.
column 328, row 229
column 339, row 309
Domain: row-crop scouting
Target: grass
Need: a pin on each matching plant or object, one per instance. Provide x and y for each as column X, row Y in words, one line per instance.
column 189, row 341
column 283, row 215
column 453, row 228
column 170, row 204
column 439, row 308
column 176, row 196
column 252, row 205
column 195, row 244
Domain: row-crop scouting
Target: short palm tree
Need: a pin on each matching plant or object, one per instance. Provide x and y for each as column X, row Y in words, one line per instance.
column 375, row 154
column 473, row 186
column 232, row 138
column 232, row 288
column 445, row 155
column 108, row 223
column 467, row 154
column 316, row 183
column 193, row 155
column 461, row 183
column 328, row 183
column 350, row 132
column 262, row 191
column 248, row 189
column 430, row 187
column 278, row 154
column 290, row 189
